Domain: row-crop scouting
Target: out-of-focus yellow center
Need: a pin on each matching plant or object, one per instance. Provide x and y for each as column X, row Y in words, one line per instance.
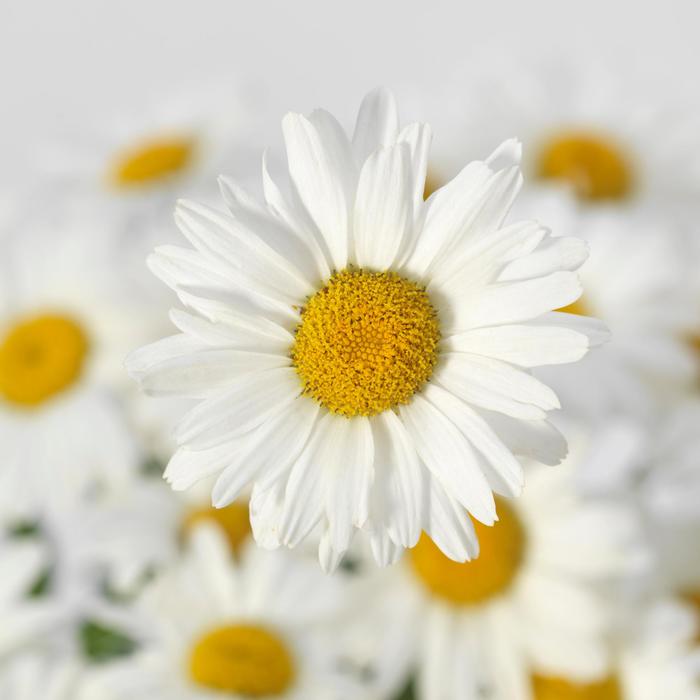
column 366, row 342
column 578, row 307
column 550, row 688
column 234, row 521
column 40, row 357
column 152, row 161
column 595, row 167
column 502, row 547
column 242, row 659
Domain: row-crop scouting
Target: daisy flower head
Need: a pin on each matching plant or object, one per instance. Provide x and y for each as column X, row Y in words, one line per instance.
column 34, row 675
column 608, row 137
column 265, row 625
column 361, row 356
column 64, row 328
column 534, row 606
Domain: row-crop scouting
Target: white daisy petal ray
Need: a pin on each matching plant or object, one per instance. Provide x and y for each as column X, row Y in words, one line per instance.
column 383, row 217
column 384, row 550
column 245, row 404
column 304, row 501
column 249, row 257
column 253, row 216
column 268, row 452
column 511, row 302
column 187, row 467
column 397, row 493
column 377, row 124
column 481, row 436
column 449, row 457
column 448, row 524
column 203, row 372
column 235, row 330
column 348, row 475
column 495, row 385
column 318, row 181
column 595, row 330
column 418, row 138
column 297, row 220
column 556, row 253
column 522, row 345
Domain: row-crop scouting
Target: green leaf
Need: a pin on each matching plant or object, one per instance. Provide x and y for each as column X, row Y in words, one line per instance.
column 409, row 692
column 101, row 644
column 24, row 528
column 42, row 585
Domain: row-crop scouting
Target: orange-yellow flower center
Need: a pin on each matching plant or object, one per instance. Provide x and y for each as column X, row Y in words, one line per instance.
column 502, row 548
column 366, row 342
column 550, row 688
column 242, row 659
column 40, row 357
column 234, row 521
column 596, row 168
column 152, row 161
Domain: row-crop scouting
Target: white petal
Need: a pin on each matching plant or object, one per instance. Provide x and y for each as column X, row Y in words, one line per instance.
column 447, row 454
column 383, row 216
column 495, row 385
column 481, row 436
column 186, row 467
column 398, row 481
column 348, row 476
column 560, row 253
column 596, row 331
column 377, row 123
column 248, row 402
column 523, row 345
column 418, row 137
column 268, row 452
column 512, row 302
column 280, row 237
column 536, row 439
column 450, row 526
column 319, row 182
column 384, row 550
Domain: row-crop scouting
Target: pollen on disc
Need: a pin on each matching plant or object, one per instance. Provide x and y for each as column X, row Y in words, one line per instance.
column 367, row 341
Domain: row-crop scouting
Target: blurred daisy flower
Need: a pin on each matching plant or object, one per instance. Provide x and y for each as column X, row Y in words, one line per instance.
column 607, row 137
column 33, row 675
column 362, row 356
column 533, row 606
column 263, row 627
column 64, row 327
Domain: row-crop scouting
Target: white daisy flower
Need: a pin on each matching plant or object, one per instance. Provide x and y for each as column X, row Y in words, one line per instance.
column 637, row 280
column 265, row 627
column 362, row 356
column 533, row 604
column 63, row 331
column 609, row 137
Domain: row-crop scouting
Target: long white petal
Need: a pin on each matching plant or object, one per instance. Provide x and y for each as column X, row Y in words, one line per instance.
column 377, row 123
column 447, row 454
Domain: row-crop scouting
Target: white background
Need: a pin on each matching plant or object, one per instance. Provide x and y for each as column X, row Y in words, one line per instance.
column 69, row 63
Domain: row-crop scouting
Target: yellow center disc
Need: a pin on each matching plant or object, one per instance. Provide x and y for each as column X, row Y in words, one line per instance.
column 243, row 659
column 233, row 520
column 502, row 548
column 548, row 688
column 40, row 357
column 152, row 162
column 366, row 342
column 595, row 168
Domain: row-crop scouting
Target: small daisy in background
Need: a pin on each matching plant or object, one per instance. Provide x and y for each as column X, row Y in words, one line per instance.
column 360, row 356
column 267, row 625
column 610, row 137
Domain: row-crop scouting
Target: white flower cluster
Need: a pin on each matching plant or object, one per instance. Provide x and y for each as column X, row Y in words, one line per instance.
column 417, row 444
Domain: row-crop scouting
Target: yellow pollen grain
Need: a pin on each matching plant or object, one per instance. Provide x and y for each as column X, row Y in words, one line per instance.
column 242, row 659
column 502, row 548
column 234, row 521
column 550, row 688
column 152, row 161
column 595, row 167
column 367, row 341
column 40, row 357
